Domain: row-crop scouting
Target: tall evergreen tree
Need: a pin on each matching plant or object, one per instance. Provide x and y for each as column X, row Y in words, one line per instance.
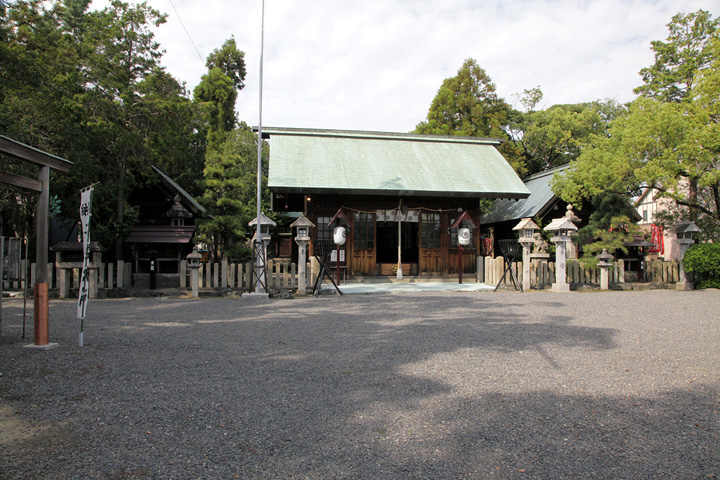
column 88, row 86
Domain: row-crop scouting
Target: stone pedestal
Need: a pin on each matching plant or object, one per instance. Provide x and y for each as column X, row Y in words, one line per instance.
column 526, row 266
column 195, row 280
column 302, row 264
column 604, row 260
column 604, row 277
column 560, row 284
column 685, row 282
column 562, row 229
column 684, row 232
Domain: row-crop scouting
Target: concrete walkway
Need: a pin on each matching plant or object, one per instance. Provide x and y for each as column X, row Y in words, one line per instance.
column 397, row 287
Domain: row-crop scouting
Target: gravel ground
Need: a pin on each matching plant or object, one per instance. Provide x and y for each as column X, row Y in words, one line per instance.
column 609, row 385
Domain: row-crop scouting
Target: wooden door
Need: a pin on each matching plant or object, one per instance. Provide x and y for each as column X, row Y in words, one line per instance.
column 363, row 244
column 431, row 258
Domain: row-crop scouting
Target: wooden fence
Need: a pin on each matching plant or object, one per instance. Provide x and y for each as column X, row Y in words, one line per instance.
column 283, row 274
column 280, row 275
column 543, row 273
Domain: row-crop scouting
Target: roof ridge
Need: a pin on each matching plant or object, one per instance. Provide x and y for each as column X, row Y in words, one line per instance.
column 546, row 172
column 362, row 134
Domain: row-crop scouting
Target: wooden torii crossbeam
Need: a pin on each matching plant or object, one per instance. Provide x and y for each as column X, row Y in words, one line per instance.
column 41, row 185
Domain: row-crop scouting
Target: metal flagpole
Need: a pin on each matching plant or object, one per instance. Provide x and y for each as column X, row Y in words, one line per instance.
column 260, row 252
column 399, row 275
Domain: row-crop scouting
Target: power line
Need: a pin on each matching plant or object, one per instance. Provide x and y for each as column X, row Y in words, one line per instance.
column 186, row 32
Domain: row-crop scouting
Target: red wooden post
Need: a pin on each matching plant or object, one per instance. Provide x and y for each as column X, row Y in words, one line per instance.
column 459, row 262
column 337, row 266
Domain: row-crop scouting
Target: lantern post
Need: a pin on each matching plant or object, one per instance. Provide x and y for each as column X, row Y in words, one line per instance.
column 342, row 225
column 562, row 228
column 302, row 227
column 526, row 229
column 261, row 246
column 604, row 260
column 193, row 261
column 464, row 225
column 684, row 232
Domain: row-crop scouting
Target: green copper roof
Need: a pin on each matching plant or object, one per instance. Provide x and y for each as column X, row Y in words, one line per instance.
column 371, row 163
column 541, row 198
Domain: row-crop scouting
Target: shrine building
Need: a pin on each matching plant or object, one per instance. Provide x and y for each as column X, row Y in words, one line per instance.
column 398, row 195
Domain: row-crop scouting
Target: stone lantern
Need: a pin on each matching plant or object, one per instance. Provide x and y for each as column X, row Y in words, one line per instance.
column 265, row 224
column 260, row 247
column 526, row 229
column 684, row 232
column 302, row 226
column 604, row 261
column 562, row 228
column 193, row 260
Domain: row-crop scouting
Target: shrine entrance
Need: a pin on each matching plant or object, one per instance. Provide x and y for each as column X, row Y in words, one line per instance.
column 44, row 161
column 387, row 246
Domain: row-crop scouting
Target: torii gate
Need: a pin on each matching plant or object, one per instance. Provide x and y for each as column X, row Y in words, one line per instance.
column 45, row 161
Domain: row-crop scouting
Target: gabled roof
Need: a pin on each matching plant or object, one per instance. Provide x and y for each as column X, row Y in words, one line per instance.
column 398, row 164
column 160, row 234
column 540, row 200
column 185, row 197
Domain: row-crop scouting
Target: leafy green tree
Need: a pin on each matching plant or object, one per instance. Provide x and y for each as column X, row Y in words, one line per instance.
column 87, row 85
column 217, row 91
column 230, row 179
column 621, row 231
column 173, row 137
column 703, row 261
column 468, row 105
column 609, row 226
column 671, row 146
column 229, row 171
column 678, row 60
column 554, row 137
column 230, row 61
column 37, row 76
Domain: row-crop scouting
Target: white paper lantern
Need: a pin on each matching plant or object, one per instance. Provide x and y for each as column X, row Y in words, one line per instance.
column 464, row 236
column 339, row 235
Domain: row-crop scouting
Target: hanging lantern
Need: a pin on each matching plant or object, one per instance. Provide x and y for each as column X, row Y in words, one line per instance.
column 464, row 236
column 339, row 235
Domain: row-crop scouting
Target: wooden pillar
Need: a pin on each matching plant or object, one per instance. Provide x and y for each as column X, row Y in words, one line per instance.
column 41, row 297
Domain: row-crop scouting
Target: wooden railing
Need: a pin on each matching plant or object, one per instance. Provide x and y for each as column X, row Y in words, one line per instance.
column 283, row 274
column 543, row 273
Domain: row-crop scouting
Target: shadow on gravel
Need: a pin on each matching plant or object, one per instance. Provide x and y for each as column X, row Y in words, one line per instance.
column 432, row 386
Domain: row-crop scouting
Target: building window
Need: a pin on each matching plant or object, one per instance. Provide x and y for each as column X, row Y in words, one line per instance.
column 645, row 216
column 323, row 229
column 364, row 230
column 430, row 230
column 178, row 222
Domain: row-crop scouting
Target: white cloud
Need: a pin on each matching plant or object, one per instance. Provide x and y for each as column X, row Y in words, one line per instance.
column 377, row 64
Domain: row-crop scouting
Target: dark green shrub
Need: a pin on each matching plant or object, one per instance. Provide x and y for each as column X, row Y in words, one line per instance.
column 703, row 260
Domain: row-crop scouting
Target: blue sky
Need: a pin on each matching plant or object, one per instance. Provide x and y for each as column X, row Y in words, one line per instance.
column 377, row 64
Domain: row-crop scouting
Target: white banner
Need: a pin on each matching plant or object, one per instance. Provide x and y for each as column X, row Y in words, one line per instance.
column 397, row 216
column 84, row 293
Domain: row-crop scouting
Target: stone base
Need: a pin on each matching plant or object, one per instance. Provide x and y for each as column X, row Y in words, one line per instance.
column 49, row 346
column 685, row 285
column 255, row 296
column 560, row 287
